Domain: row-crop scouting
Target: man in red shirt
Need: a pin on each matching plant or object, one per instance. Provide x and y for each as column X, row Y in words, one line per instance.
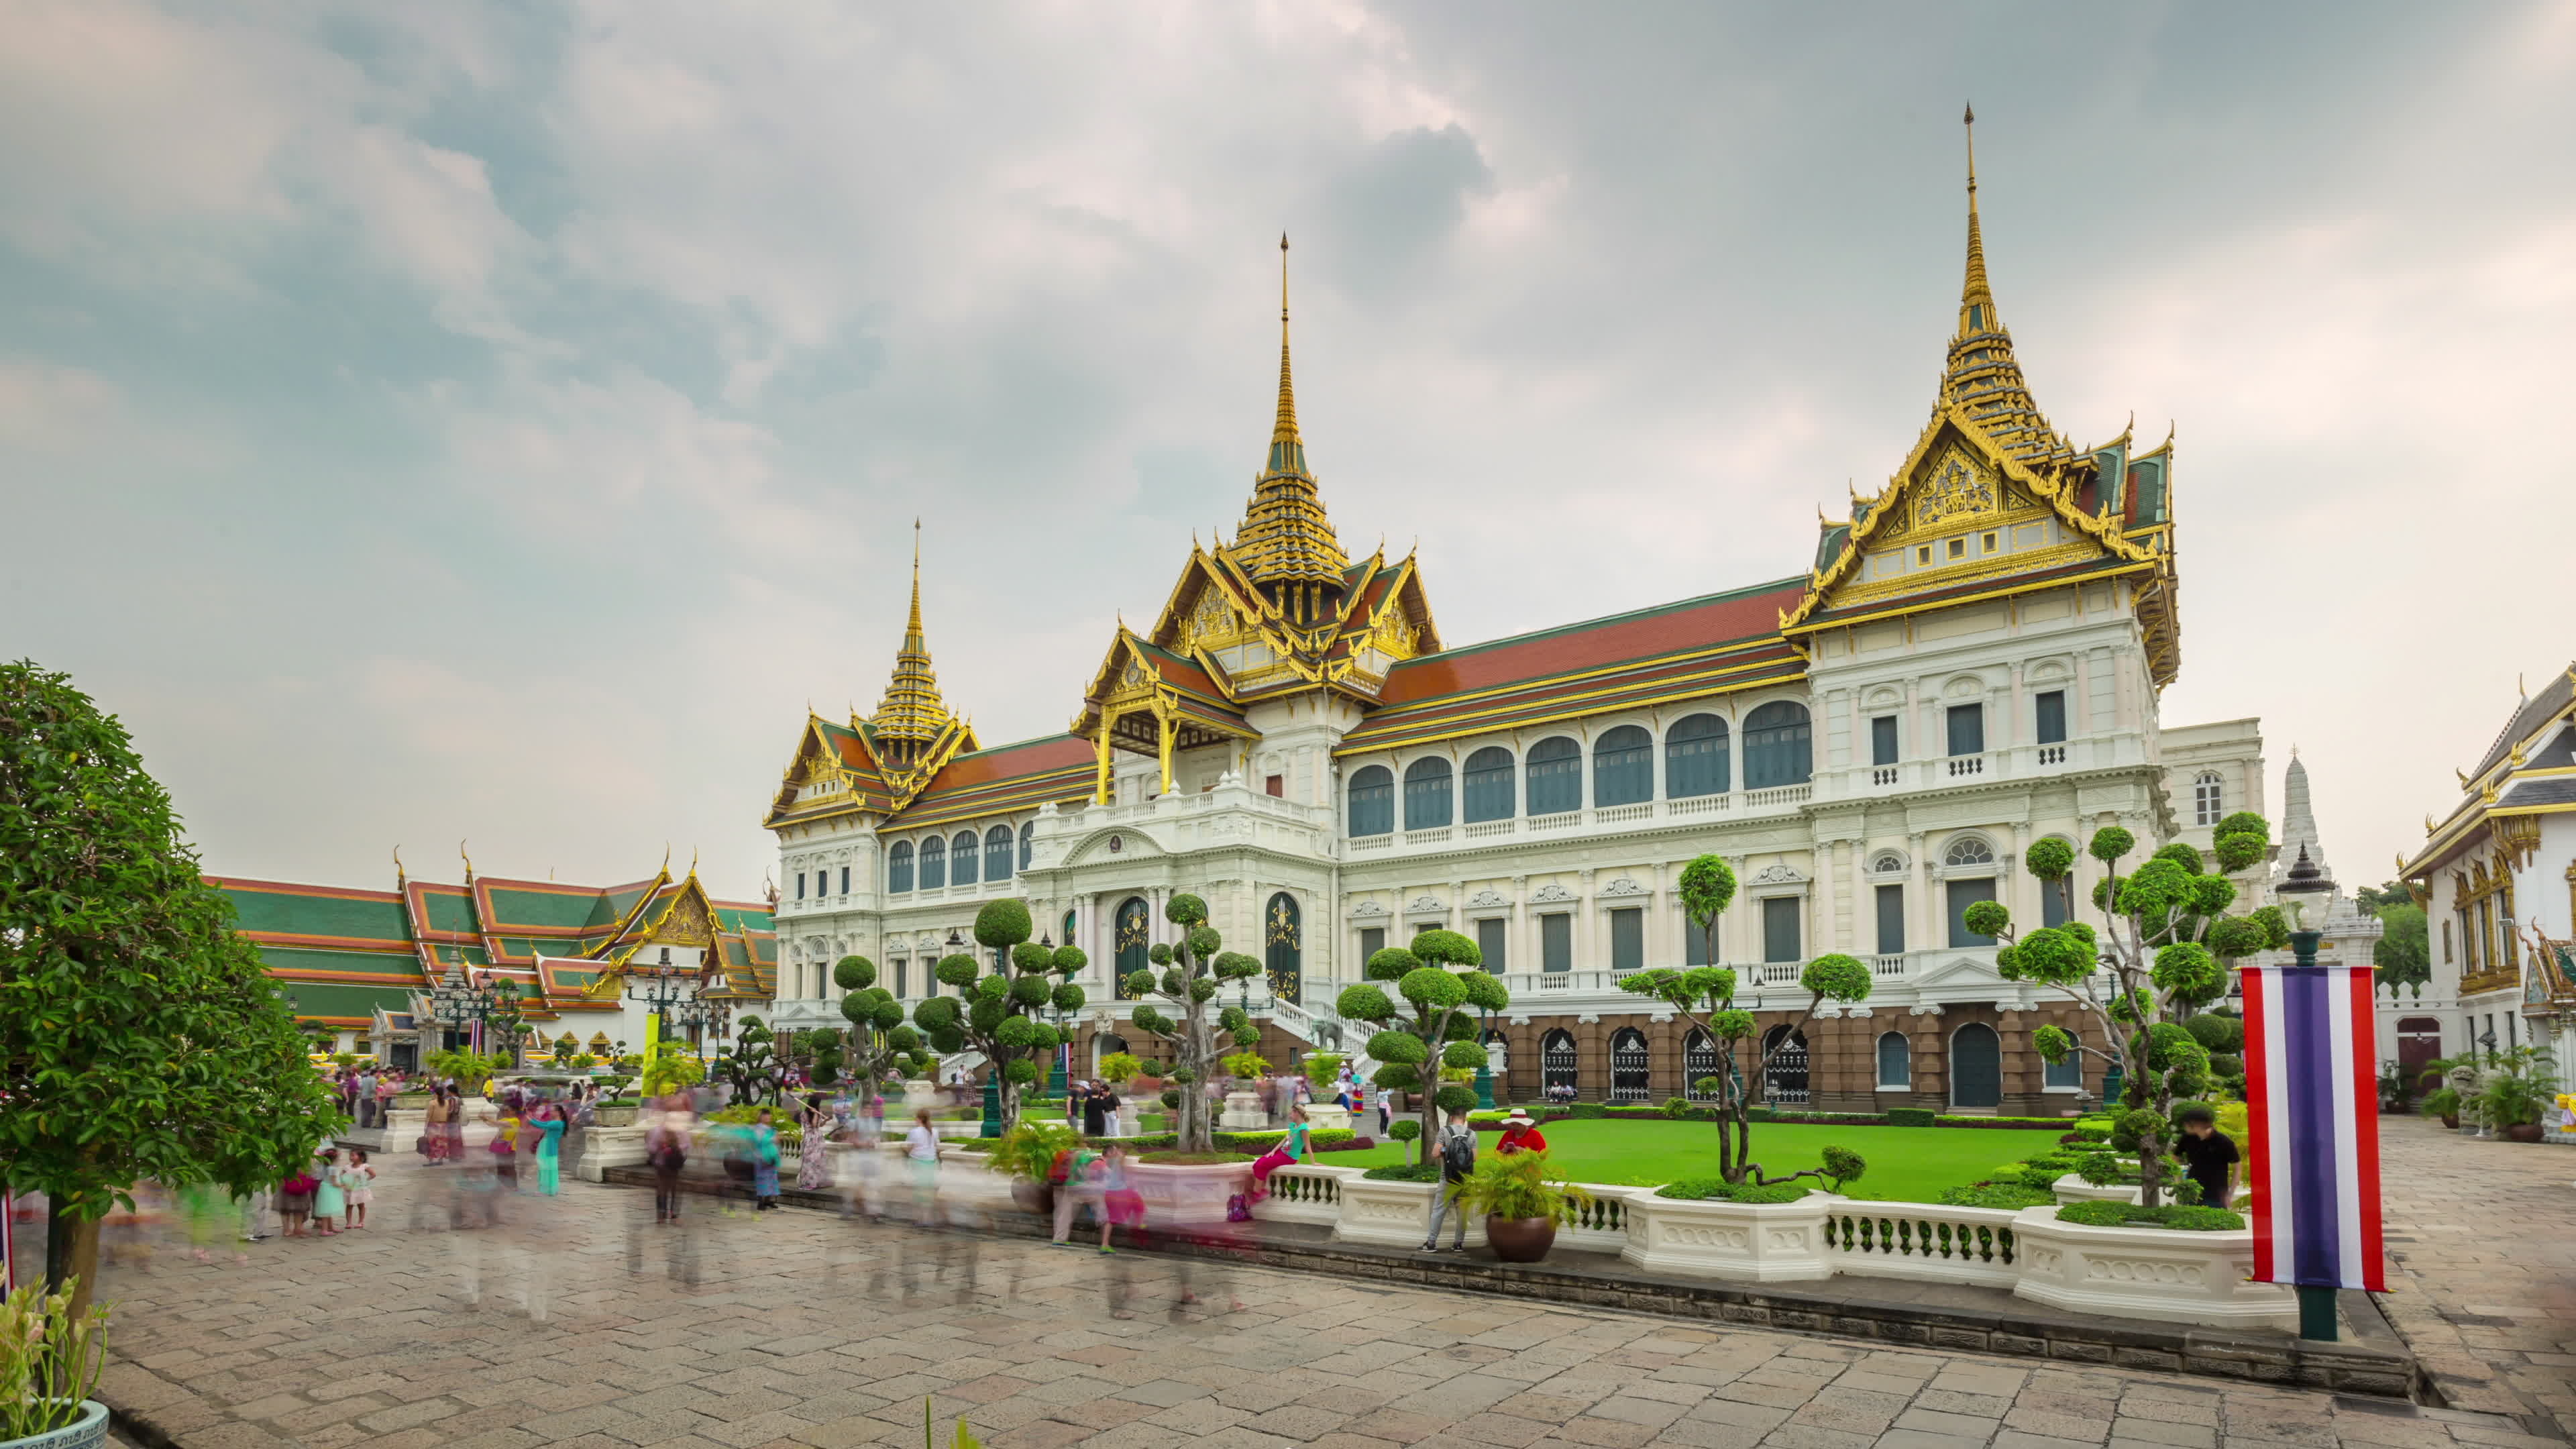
column 1520, row 1134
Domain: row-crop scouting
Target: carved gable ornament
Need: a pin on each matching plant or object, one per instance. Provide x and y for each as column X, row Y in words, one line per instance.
column 1777, row 875
column 1550, row 894
column 1488, row 898
column 1368, row 908
column 1623, row 886
column 686, row 923
column 1958, row 489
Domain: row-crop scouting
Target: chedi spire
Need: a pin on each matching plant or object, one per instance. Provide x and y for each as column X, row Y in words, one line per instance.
column 1286, row 543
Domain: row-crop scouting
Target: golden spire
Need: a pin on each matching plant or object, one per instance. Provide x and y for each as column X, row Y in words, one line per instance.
column 1285, row 538
column 1982, row 378
column 911, row 714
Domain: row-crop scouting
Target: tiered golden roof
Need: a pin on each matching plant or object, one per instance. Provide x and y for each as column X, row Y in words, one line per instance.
column 1285, row 537
column 911, row 715
column 1982, row 378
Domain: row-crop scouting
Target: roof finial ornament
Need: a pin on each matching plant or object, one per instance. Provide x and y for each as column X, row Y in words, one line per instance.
column 469, row 861
column 400, row 875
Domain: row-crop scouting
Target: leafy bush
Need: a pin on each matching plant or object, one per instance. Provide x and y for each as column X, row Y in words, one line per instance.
column 1911, row 1116
column 1718, row 1189
column 1192, row 1159
column 2130, row 1215
column 1677, row 1107
column 1997, row 1194
column 1029, row 1149
column 1518, row 1185
column 1586, row 1111
column 1356, row 1144
column 1404, row 1171
column 1404, row 1129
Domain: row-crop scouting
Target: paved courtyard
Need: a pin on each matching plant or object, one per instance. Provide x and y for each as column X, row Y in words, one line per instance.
column 799, row 1333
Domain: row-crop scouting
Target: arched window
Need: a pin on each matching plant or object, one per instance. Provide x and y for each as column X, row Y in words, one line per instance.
column 1426, row 793
column 934, row 863
column 1699, row 1064
column 1134, row 939
column 1556, row 1065
column 1283, row 955
column 997, row 853
column 1104, row 1045
column 1784, row 1081
column 1555, row 776
column 2068, row 1073
column 1976, row 1067
column 1695, row 758
column 1968, row 850
column 1489, row 784
column 1895, row 1060
column 1776, row 747
column 899, row 868
column 2207, row 799
column 1623, row 767
column 1373, row 801
column 1028, row 843
column 1628, row 1064
column 961, row 858
column 1067, row 938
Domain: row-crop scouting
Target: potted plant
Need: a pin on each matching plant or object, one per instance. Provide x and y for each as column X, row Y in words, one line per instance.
column 1026, row 1154
column 2442, row 1102
column 2517, row 1094
column 49, row 1363
column 1520, row 1203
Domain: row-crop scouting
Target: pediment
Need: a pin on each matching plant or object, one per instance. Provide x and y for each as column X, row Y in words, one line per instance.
column 1117, row 843
column 1963, row 974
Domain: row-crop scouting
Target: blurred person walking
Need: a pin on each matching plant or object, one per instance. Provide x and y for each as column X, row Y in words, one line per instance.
column 763, row 1138
column 357, row 1181
column 814, row 1172
column 550, row 1131
column 328, row 1198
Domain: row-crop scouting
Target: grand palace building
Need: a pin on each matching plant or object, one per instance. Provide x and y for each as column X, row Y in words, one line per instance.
column 1969, row 662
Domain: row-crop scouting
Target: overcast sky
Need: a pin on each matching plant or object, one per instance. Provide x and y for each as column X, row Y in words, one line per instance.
column 497, row 422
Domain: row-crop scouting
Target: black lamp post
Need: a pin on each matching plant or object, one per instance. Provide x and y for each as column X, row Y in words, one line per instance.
column 2306, row 891
column 1057, row 1087
column 673, row 993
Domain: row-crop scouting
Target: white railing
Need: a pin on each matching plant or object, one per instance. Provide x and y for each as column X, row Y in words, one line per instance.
column 1371, row 842
column 1918, row 1240
column 1773, row 973
column 1887, row 967
column 1619, row 814
column 1305, row 1193
column 1882, row 774
column 1484, row 829
column 2052, row 754
column 1643, row 812
column 1558, row 821
column 1699, row 805
column 1961, row 765
column 1438, row 835
column 1779, row 795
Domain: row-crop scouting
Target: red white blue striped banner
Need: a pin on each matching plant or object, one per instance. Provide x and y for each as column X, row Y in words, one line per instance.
column 2312, row 1110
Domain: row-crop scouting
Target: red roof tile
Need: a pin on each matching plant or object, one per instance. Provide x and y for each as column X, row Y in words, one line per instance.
column 1693, row 623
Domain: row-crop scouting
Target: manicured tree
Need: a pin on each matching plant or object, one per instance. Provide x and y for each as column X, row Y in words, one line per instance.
column 880, row 1045
column 1437, row 1019
column 140, row 1036
column 1190, row 975
column 751, row 1064
column 997, row 1013
column 1704, row 996
column 2163, row 952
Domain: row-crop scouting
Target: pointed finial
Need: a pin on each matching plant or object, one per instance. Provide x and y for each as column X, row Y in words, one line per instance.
column 912, row 630
column 1969, row 120
column 1976, row 295
column 469, row 860
column 400, row 875
column 1284, row 428
column 693, row 860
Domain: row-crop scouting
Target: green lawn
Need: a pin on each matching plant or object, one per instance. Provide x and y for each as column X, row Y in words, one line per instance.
column 1906, row 1164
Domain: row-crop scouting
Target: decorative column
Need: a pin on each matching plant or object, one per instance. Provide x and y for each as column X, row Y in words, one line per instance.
column 1101, row 787
column 1918, row 903
column 1164, row 733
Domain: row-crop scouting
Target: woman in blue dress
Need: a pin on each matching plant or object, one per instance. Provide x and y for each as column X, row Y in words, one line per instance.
column 764, row 1162
column 550, row 1130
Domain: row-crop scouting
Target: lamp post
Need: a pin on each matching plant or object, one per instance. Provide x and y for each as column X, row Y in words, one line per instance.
column 1485, row 1068
column 2305, row 891
column 1056, row 1086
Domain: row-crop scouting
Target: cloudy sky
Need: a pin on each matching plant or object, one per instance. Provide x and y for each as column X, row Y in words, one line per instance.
column 497, row 421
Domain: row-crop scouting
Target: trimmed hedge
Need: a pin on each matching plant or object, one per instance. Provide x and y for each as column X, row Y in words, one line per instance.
column 1405, row 1172
column 1192, row 1159
column 2129, row 1215
column 1718, row 1189
column 1911, row 1116
column 1997, row 1194
column 2054, row 1124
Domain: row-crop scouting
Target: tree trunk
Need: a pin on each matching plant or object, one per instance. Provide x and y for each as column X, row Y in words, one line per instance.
column 71, row 1253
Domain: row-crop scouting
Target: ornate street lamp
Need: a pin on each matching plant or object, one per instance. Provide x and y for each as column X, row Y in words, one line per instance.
column 673, row 993
column 1057, row 1087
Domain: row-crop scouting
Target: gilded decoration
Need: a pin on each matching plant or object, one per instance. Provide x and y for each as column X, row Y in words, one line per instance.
column 687, row 923
column 1958, row 489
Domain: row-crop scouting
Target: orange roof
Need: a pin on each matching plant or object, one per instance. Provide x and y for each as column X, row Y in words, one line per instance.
column 1693, row 623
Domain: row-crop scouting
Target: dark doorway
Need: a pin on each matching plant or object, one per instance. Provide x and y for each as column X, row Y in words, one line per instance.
column 1556, row 1066
column 1628, row 1066
column 1976, row 1067
column 2419, row 1040
column 1784, row 1082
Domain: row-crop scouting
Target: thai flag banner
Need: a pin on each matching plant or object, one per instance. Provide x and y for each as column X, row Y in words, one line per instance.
column 2312, row 1110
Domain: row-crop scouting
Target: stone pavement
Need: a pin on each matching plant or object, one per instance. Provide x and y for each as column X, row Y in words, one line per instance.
column 2482, row 1267
column 799, row 1333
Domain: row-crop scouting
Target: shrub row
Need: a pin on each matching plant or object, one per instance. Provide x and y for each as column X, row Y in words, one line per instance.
column 1405, row 1172
column 1718, row 1189
column 1999, row 1193
column 2130, row 1215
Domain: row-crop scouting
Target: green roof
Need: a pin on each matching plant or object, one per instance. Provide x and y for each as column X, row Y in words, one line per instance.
column 450, row 911
column 330, row 999
column 526, row 909
column 292, row 914
column 378, row 963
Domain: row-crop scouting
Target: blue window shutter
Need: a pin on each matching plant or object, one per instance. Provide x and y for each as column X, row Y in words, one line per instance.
column 1555, row 776
column 1967, row 729
column 1695, row 751
column 1777, row 748
column 1372, row 801
column 1490, row 786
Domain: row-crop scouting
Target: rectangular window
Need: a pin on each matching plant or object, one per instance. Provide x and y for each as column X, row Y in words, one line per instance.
column 800, row 885
column 1694, row 943
column 1986, row 543
column 1372, row 941
column 2068, row 1073
column 1882, row 740
column 1963, row 894
column 1556, row 943
column 1891, row 919
column 1967, row 729
column 1895, row 1061
column 845, row 880
column 1923, row 556
column 1958, row 548
column 1780, row 927
column 900, row 984
column 2052, row 717
column 1628, row 939
column 2446, row 943
column 1276, row 785
column 2053, row 896
column 1493, row 935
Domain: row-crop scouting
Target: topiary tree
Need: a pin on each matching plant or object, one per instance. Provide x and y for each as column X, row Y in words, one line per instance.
column 751, row 1064
column 140, row 1035
column 1190, row 975
column 997, row 1013
column 1436, row 1018
column 1705, row 997
column 880, row 1045
column 2162, row 953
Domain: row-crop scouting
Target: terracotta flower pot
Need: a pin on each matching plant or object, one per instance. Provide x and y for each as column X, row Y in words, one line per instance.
column 2451, row 1120
column 1520, row 1240
column 2523, row 1132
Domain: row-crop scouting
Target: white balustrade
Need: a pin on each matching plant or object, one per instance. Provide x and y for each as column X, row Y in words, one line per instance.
column 1887, row 968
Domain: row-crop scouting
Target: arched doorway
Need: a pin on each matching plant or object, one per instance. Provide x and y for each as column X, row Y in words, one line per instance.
column 1556, row 1064
column 1976, row 1067
column 1628, row 1066
column 2419, row 1040
column 1699, row 1064
column 1133, row 939
column 1784, row 1081
column 1283, row 958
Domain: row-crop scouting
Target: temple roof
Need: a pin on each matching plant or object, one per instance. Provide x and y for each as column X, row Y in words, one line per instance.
column 911, row 711
column 1285, row 537
column 1002, row 779
column 1981, row 377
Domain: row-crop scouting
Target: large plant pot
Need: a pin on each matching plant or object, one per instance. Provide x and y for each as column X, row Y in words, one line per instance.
column 1325, row 1117
column 2153, row 1273
column 86, row 1432
column 1762, row 1242
column 2451, row 1120
column 1520, row 1240
column 616, row 1116
column 2071, row 1188
column 2523, row 1132
column 1393, row 1215
column 1190, row 1196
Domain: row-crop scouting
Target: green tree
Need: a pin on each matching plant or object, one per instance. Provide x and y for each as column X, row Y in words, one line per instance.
column 1705, row 997
column 140, row 1036
column 751, row 1064
column 2162, row 953
column 2375, row 899
column 1188, row 979
column 1440, row 985
column 880, row 1045
column 996, row 1013
column 2403, row 953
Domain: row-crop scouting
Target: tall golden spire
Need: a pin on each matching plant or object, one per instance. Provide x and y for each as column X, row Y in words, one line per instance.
column 1286, row 539
column 911, row 714
column 1982, row 378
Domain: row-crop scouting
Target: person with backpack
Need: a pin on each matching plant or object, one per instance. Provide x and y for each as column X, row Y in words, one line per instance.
column 1455, row 1150
column 1074, row 1177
